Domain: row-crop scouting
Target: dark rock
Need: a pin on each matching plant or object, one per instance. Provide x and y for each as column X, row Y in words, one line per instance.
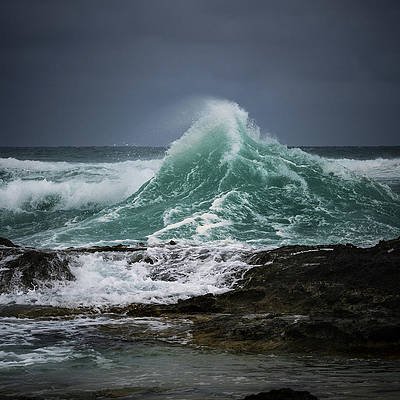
column 172, row 242
column 39, row 311
column 6, row 242
column 282, row 394
column 27, row 269
column 330, row 299
column 385, row 333
column 201, row 304
column 308, row 279
column 148, row 260
column 120, row 248
column 139, row 256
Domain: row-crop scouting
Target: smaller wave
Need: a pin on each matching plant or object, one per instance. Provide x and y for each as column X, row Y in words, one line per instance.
column 33, row 165
column 37, row 185
column 379, row 168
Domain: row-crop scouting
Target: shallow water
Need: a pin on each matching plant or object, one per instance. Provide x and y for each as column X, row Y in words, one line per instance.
column 146, row 358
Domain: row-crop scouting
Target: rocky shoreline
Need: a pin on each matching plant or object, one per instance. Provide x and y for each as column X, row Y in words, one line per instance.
column 337, row 299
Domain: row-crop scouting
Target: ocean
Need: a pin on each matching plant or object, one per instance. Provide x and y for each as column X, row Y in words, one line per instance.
column 219, row 190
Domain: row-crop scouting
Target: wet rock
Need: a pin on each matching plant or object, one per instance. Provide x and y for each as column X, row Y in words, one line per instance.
column 329, row 299
column 28, row 269
column 308, row 279
column 148, row 260
column 6, row 242
column 140, row 256
column 120, row 248
column 389, row 333
column 196, row 305
column 262, row 333
column 39, row 311
column 200, row 304
column 282, row 394
column 24, row 269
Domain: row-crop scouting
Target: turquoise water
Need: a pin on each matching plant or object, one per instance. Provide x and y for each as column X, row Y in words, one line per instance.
column 221, row 180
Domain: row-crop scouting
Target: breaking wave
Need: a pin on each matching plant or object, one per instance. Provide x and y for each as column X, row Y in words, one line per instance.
column 37, row 185
column 223, row 181
column 379, row 168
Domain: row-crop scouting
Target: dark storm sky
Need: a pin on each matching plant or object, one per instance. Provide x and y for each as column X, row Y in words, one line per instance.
column 114, row 72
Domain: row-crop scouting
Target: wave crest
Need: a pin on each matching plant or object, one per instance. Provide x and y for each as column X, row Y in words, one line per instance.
column 36, row 185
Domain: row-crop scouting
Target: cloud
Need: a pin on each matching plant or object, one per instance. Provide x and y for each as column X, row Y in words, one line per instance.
column 96, row 72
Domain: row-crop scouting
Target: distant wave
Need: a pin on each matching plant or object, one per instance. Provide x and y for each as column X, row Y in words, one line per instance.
column 382, row 168
column 38, row 185
column 11, row 163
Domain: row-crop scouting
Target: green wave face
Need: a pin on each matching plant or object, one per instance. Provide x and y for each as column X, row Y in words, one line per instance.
column 221, row 181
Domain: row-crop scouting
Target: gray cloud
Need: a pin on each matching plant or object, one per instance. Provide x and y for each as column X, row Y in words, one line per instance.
column 102, row 72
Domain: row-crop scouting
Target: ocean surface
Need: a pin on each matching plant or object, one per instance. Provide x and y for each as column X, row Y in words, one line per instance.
column 220, row 190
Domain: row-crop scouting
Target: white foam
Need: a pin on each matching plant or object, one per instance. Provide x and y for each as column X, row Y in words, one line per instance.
column 42, row 355
column 379, row 168
column 311, row 251
column 74, row 185
column 218, row 115
column 210, row 221
column 202, row 225
column 177, row 272
column 33, row 165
